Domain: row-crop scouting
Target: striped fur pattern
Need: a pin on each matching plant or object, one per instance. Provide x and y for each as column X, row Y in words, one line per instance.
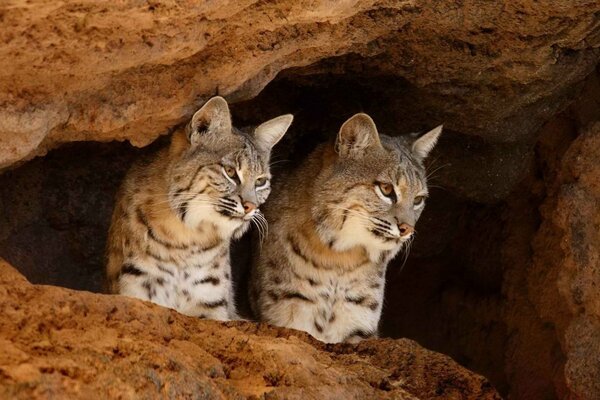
column 335, row 223
column 177, row 212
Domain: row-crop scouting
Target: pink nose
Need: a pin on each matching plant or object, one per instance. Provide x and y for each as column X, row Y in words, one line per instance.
column 249, row 207
column 405, row 229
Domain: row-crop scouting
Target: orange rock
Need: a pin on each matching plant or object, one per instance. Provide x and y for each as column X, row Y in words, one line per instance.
column 115, row 347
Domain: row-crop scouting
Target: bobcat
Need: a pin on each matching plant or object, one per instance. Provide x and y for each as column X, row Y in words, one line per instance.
column 335, row 223
column 176, row 213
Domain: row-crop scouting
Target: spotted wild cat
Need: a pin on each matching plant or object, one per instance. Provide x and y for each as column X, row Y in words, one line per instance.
column 177, row 212
column 334, row 224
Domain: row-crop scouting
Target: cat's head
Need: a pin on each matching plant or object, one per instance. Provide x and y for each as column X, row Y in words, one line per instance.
column 374, row 189
column 219, row 174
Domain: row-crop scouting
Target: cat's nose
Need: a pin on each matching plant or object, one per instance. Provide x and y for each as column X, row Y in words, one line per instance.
column 249, row 207
column 405, row 229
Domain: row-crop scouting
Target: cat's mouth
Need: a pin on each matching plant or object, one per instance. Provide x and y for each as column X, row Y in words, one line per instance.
column 385, row 235
column 232, row 209
column 384, row 230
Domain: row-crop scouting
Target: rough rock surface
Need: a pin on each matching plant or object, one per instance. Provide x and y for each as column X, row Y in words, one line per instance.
column 565, row 280
column 87, row 70
column 502, row 285
column 57, row 342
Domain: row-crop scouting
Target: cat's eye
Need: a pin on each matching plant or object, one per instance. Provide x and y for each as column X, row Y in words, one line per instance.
column 386, row 189
column 230, row 171
column 418, row 200
column 260, row 181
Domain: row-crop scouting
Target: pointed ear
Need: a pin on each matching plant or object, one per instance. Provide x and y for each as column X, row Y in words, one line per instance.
column 214, row 117
column 356, row 135
column 267, row 134
column 423, row 145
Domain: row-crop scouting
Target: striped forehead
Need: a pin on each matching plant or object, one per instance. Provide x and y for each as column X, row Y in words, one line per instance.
column 248, row 158
column 405, row 173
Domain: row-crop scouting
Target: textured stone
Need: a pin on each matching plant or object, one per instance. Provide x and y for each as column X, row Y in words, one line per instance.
column 566, row 269
column 485, row 283
column 61, row 343
column 84, row 70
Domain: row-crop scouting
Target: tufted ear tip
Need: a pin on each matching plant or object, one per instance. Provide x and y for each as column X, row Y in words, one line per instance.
column 267, row 134
column 423, row 145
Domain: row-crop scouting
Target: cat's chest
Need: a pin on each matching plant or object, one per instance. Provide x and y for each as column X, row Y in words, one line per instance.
column 192, row 278
column 345, row 303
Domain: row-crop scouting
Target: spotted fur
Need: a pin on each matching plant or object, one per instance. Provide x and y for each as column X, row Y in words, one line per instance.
column 334, row 224
column 177, row 212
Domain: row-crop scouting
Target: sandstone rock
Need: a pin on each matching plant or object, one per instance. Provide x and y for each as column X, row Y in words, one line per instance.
column 57, row 342
column 566, row 270
column 81, row 70
column 493, row 72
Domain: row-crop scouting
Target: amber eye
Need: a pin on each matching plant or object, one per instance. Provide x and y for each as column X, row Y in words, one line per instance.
column 260, row 181
column 386, row 188
column 230, row 171
column 418, row 200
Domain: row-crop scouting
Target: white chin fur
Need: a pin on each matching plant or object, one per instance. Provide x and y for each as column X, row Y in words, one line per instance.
column 355, row 234
column 226, row 226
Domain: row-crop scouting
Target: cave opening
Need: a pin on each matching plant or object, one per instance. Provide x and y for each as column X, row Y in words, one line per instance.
column 454, row 291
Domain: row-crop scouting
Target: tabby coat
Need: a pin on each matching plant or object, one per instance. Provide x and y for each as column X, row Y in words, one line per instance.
column 177, row 212
column 334, row 224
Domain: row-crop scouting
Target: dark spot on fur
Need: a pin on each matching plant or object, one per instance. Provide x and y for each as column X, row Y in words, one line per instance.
column 182, row 210
column 164, row 269
column 295, row 295
column 130, row 269
column 296, row 249
column 383, row 256
column 358, row 333
column 150, row 290
column 213, row 304
column 209, row 279
column 318, row 327
column 312, row 282
column 356, row 300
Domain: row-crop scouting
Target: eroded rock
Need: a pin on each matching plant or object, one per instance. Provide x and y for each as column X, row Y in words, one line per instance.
column 72, row 71
column 566, row 270
column 58, row 342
